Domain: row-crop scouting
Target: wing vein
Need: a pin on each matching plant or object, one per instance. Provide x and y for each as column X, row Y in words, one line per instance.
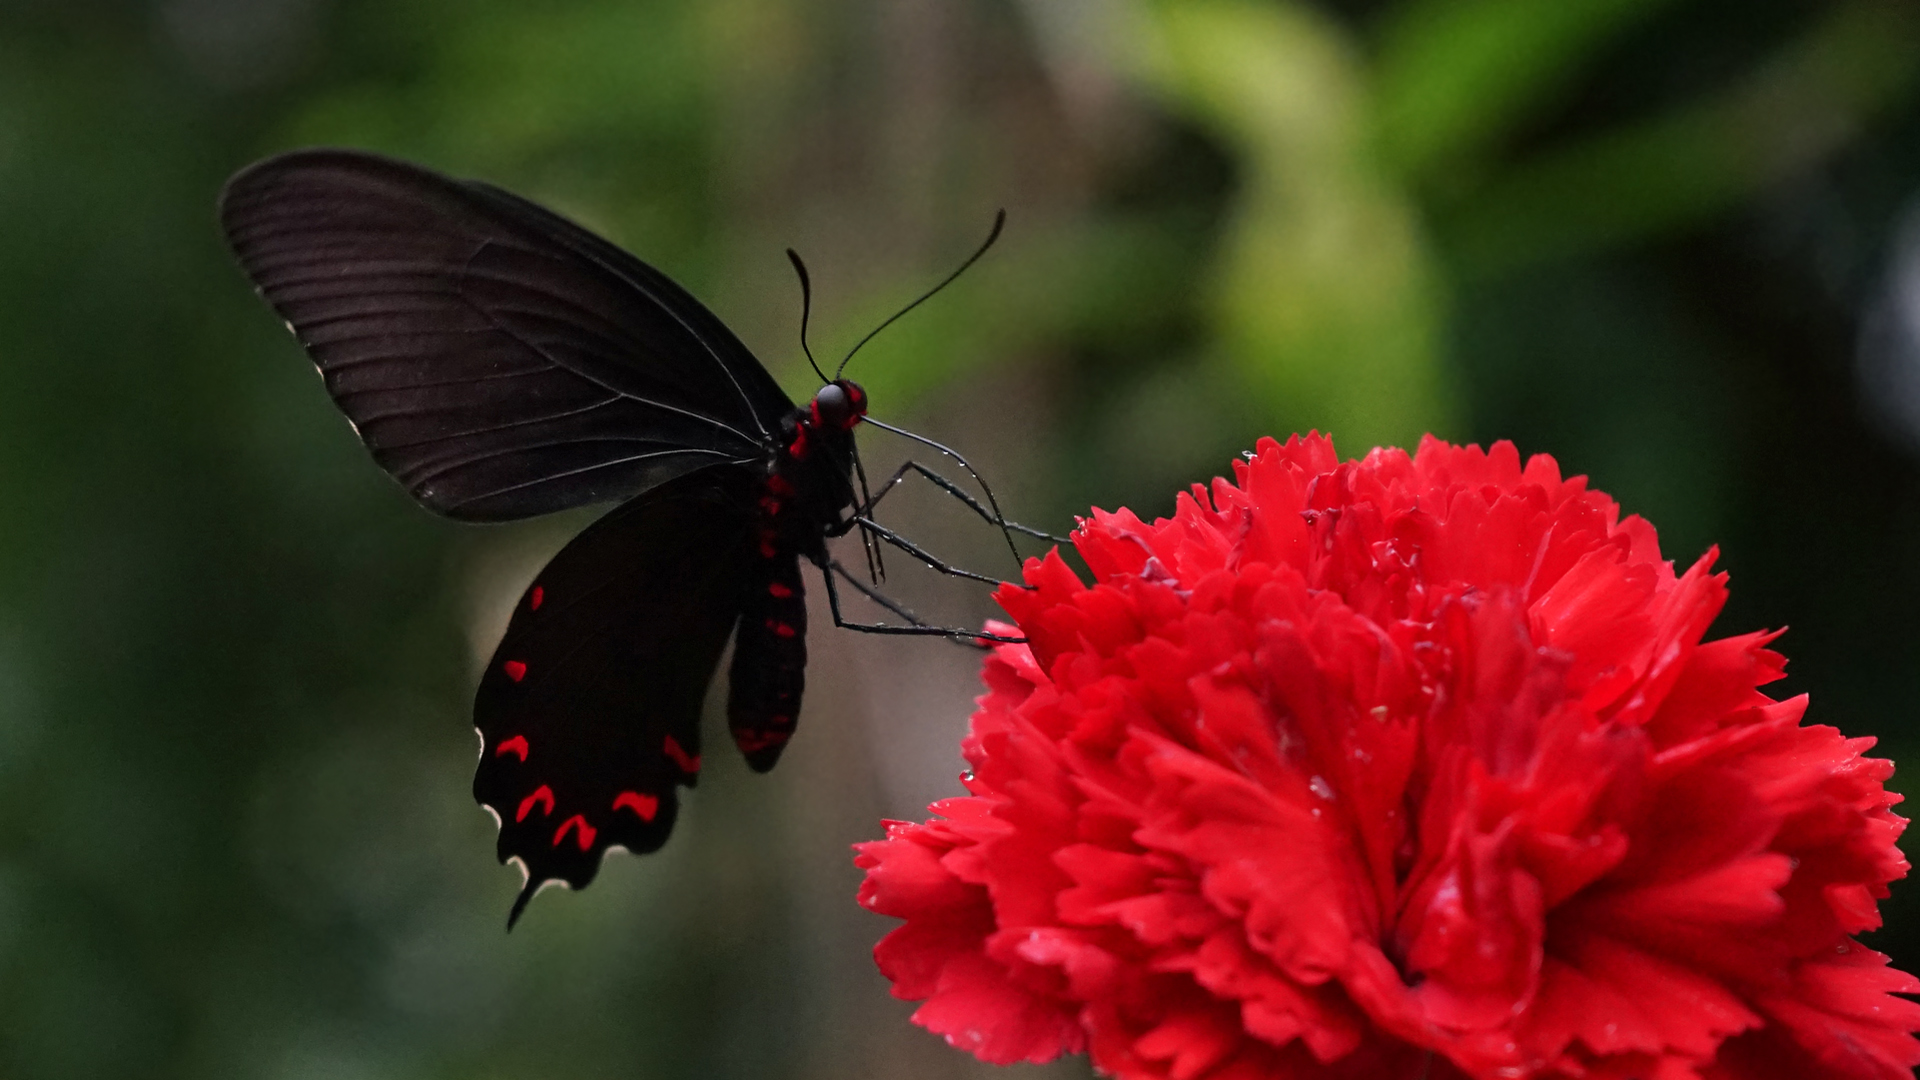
column 508, row 426
column 689, row 413
column 551, row 477
column 646, row 289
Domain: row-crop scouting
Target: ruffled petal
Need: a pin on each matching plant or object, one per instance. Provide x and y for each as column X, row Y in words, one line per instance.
column 1415, row 766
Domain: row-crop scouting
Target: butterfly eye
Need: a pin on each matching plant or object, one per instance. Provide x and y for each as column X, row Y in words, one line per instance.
column 840, row 404
column 832, row 407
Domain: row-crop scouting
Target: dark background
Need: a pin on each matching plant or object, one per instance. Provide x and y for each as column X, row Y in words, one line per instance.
column 1672, row 242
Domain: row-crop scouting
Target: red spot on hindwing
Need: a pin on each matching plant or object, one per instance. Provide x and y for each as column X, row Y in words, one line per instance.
column 515, row 670
column 780, row 628
column 536, row 598
column 584, row 837
column 644, row 805
column 542, row 794
column 779, row 590
column 515, row 745
column 688, row 763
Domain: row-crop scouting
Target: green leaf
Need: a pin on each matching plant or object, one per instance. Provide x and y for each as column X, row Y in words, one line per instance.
column 1453, row 76
column 1677, row 170
column 1326, row 298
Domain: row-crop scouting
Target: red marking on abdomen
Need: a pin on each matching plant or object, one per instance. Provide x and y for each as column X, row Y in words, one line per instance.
column 515, row 670
column 798, row 447
column 783, row 629
column 541, row 794
column 585, row 836
column 753, row 741
column 687, row 764
column 644, row 805
column 517, row 745
column 779, row 590
column 535, row 598
column 778, row 485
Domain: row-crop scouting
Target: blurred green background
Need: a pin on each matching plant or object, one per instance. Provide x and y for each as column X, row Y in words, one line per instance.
column 1675, row 243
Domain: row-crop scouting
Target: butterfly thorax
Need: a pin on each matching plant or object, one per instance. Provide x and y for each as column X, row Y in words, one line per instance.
column 809, row 481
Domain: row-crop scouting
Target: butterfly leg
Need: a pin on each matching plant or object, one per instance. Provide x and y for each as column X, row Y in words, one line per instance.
column 919, row 628
column 887, row 535
column 873, row 594
column 958, row 492
column 997, row 518
column 876, row 566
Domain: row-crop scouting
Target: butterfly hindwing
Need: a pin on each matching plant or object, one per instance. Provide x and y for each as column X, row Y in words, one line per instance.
column 589, row 712
column 498, row 360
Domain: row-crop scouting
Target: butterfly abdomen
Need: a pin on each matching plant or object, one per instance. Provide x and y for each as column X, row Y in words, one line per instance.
column 769, row 660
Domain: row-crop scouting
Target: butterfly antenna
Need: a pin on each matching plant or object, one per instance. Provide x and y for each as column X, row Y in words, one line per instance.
column 999, row 222
column 806, row 310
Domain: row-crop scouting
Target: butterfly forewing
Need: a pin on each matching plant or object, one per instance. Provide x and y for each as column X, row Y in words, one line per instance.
column 589, row 712
column 498, row 360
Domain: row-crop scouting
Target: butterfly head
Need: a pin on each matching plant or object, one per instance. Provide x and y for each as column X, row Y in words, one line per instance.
column 839, row 405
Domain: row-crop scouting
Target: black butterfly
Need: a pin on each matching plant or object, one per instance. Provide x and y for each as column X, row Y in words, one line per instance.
column 501, row 362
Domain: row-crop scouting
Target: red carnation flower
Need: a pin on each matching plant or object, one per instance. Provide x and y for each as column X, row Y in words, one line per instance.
column 1403, row 767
